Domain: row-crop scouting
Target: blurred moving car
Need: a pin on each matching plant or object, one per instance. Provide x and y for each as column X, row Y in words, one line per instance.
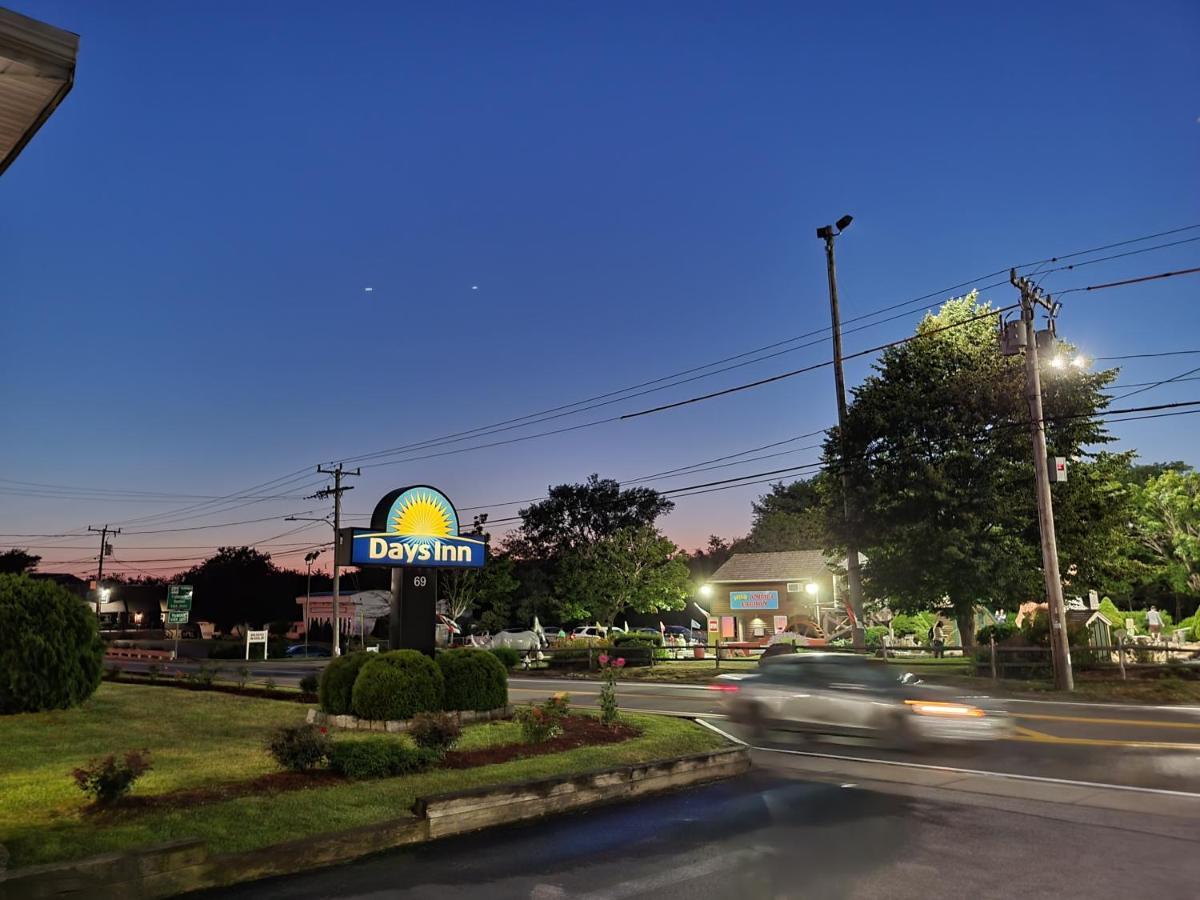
column 310, row 651
column 845, row 695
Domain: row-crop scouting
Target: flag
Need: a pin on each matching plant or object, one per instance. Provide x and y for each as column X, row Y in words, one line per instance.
column 626, row 626
column 661, row 627
column 696, row 626
column 537, row 627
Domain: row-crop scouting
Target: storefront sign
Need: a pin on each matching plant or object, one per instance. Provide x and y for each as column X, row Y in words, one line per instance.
column 417, row 527
column 780, row 624
column 754, row 599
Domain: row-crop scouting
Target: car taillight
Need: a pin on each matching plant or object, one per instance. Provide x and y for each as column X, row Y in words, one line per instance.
column 938, row 708
column 724, row 688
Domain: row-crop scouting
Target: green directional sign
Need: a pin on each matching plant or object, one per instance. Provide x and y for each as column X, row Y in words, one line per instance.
column 177, row 617
column 179, row 598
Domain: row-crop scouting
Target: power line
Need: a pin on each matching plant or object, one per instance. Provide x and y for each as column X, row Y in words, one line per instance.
column 815, row 366
column 1128, row 281
column 1141, row 390
column 1148, row 355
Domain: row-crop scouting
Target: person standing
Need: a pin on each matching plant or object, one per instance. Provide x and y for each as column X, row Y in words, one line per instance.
column 939, row 639
column 1154, row 623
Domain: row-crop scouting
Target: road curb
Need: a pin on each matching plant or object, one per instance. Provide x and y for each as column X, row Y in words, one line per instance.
column 179, row 867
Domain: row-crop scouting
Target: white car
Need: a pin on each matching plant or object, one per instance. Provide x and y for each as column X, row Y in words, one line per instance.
column 846, row 695
column 589, row 631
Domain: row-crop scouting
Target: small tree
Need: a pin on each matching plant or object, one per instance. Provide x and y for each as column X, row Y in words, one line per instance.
column 635, row 569
column 51, row 655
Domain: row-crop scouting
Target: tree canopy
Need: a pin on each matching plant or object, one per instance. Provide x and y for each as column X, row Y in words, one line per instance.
column 941, row 468
column 18, row 562
column 632, row 569
column 789, row 517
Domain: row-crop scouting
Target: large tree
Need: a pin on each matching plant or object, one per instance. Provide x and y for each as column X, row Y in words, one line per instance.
column 942, row 474
column 18, row 562
column 789, row 517
column 238, row 585
column 632, row 569
column 574, row 516
column 1167, row 524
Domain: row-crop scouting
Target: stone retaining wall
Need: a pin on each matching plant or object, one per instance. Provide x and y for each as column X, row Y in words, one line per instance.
column 399, row 726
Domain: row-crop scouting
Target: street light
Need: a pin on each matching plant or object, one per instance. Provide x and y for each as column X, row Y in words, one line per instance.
column 308, row 590
column 706, row 590
column 811, row 588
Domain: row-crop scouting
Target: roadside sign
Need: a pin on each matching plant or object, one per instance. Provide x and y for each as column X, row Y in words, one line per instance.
column 177, row 617
column 179, row 597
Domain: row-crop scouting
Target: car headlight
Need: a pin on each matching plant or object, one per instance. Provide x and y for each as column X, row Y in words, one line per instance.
column 948, row 710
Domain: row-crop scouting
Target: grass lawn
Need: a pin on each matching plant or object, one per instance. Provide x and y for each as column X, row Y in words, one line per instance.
column 199, row 738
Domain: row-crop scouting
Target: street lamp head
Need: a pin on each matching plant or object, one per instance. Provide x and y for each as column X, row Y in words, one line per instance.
column 706, row 590
column 844, row 222
column 825, row 233
column 1059, row 361
column 1080, row 361
column 811, row 588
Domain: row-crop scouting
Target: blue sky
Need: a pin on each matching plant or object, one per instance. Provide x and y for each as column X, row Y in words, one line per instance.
column 550, row 201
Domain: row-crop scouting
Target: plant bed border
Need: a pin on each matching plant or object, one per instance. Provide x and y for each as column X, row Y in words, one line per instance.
column 179, row 684
column 399, row 726
column 178, row 867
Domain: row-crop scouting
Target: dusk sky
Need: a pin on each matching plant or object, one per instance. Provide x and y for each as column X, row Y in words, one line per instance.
column 550, row 201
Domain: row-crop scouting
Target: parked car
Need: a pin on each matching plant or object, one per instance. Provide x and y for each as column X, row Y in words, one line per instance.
column 589, row 631
column 311, row 650
column 841, row 694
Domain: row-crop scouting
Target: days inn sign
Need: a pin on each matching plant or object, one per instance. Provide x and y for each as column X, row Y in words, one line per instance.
column 413, row 526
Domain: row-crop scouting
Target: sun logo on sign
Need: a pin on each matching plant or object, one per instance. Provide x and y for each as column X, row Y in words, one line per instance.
column 422, row 515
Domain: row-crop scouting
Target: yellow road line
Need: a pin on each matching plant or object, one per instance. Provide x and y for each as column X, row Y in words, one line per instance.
column 1086, row 720
column 1038, row 737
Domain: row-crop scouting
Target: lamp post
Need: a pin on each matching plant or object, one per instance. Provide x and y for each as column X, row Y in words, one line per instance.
column 307, row 598
column 853, row 576
column 308, row 561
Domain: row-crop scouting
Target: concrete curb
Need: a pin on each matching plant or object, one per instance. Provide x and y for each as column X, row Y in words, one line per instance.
column 166, row 870
column 399, row 726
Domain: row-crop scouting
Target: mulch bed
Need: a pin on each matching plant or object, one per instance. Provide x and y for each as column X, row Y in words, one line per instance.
column 578, row 731
column 260, row 693
column 272, row 783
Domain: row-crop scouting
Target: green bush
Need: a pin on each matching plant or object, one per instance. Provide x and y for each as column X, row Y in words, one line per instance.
column 874, row 636
column 51, row 655
column 400, row 684
column 638, row 638
column 1117, row 617
column 337, row 682
column 435, row 731
column 378, row 757
column 571, row 657
column 474, row 679
column 918, row 625
column 542, row 722
column 1000, row 631
column 509, row 657
column 299, row 748
column 107, row 780
column 310, row 684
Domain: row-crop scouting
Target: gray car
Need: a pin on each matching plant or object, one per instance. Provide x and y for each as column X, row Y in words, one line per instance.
column 846, row 695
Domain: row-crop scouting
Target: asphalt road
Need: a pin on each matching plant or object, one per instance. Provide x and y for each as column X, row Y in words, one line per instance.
column 767, row 835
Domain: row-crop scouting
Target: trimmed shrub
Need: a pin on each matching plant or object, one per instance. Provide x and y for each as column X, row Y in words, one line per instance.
column 1000, row 631
column 310, row 684
column 378, row 757
column 542, row 722
column 474, row 679
column 435, row 731
column 51, row 655
column 638, row 638
column 337, row 682
column 299, row 748
column 107, row 780
column 398, row 685
column 509, row 657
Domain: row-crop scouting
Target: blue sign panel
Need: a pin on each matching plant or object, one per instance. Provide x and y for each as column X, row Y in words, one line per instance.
column 754, row 599
column 369, row 548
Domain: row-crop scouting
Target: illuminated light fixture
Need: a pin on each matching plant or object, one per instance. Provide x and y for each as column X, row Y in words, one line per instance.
column 937, row 708
column 1080, row 361
column 810, row 588
column 706, row 590
column 1059, row 362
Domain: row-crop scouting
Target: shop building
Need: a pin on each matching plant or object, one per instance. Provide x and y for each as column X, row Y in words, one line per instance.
column 755, row 595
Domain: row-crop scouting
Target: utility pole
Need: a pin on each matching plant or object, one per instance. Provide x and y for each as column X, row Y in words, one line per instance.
column 336, row 492
column 105, row 549
column 1032, row 297
column 853, row 573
